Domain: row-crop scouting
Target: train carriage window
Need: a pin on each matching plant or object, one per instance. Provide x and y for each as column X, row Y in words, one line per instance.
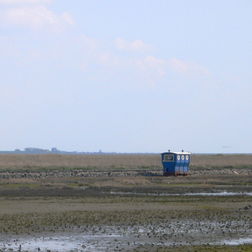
column 169, row 157
column 187, row 157
column 182, row 157
column 178, row 157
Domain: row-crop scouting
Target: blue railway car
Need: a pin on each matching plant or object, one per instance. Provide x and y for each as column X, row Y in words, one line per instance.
column 176, row 163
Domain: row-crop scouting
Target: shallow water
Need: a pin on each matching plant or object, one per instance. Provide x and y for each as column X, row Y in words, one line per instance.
column 110, row 238
column 247, row 240
column 61, row 243
column 224, row 193
column 91, row 243
column 221, row 194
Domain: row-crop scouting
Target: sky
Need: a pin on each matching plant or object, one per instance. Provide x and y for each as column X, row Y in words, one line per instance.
column 126, row 76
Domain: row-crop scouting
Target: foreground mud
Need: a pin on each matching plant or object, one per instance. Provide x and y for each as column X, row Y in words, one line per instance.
column 125, row 208
column 113, row 239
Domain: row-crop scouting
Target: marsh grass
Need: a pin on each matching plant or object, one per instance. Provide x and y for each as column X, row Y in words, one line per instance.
column 70, row 220
column 118, row 161
column 47, row 162
column 36, row 214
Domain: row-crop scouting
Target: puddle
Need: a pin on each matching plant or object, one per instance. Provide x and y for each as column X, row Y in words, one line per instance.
column 114, row 238
column 186, row 194
column 60, row 243
column 221, row 194
column 240, row 241
column 95, row 243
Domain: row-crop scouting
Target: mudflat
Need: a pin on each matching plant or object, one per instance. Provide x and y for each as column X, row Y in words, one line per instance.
column 122, row 202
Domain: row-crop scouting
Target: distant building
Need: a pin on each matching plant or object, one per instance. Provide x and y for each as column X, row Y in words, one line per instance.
column 35, row 150
column 54, row 149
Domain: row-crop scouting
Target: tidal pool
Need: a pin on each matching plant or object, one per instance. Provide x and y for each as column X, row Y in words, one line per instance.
column 112, row 238
column 247, row 240
column 60, row 243
column 224, row 193
column 81, row 243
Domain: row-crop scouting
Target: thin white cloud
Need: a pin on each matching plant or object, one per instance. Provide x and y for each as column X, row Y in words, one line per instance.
column 135, row 46
column 189, row 68
column 67, row 18
column 109, row 59
column 152, row 64
column 89, row 43
column 95, row 52
column 36, row 17
column 148, row 67
column 12, row 2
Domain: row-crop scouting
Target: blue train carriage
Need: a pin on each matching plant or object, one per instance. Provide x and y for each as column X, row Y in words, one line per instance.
column 176, row 163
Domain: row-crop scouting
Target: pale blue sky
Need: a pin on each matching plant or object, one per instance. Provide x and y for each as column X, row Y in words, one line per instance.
column 126, row 76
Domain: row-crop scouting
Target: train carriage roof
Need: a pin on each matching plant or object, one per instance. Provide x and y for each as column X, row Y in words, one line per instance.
column 178, row 152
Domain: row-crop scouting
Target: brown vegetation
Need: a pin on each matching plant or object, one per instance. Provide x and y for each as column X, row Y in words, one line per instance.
column 129, row 161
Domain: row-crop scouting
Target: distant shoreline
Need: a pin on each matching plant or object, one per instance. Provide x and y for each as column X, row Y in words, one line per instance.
column 41, row 151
